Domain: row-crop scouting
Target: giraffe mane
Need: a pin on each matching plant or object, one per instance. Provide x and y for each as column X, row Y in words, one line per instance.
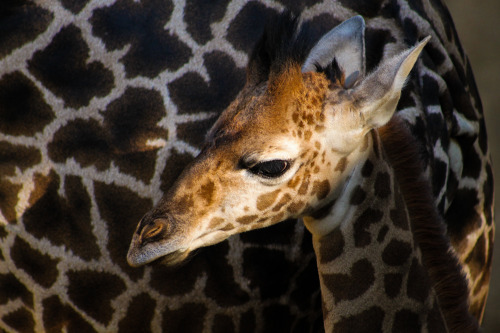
column 284, row 44
column 429, row 228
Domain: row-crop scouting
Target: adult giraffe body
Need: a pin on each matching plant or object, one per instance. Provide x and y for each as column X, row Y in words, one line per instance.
column 304, row 138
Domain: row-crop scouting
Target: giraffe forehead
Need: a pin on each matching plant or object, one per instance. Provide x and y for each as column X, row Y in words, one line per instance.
column 271, row 107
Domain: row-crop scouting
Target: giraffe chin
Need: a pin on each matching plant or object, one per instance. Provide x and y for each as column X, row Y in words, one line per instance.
column 171, row 259
column 174, row 258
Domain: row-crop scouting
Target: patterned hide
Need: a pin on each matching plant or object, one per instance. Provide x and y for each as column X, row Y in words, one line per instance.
column 103, row 103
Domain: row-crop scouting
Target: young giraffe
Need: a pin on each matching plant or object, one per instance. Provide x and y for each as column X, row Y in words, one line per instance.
column 311, row 136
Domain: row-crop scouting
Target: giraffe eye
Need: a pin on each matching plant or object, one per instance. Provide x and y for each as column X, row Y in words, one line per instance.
column 270, row 169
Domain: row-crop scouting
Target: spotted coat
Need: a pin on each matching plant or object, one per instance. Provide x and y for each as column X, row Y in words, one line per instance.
column 102, row 104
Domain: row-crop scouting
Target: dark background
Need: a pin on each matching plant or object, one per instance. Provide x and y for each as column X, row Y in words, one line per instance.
column 476, row 22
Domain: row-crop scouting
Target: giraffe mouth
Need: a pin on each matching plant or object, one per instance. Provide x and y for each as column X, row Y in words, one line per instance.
column 142, row 257
column 174, row 258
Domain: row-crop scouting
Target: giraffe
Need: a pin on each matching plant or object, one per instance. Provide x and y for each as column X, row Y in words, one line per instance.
column 103, row 104
column 313, row 136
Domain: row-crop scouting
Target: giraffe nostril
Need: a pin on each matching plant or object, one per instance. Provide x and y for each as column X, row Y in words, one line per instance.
column 155, row 228
column 153, row 231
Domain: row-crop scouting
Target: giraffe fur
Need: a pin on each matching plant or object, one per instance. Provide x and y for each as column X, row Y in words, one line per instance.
column 317, row 134
column 103, row 103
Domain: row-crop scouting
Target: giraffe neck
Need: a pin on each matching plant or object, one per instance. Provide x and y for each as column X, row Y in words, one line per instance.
column 370, row 268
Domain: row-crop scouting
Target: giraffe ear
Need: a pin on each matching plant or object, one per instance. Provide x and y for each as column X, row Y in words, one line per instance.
column 378, row 94
column 346, row 44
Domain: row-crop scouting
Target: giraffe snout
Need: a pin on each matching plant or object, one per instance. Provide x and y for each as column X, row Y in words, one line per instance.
column 155, row 237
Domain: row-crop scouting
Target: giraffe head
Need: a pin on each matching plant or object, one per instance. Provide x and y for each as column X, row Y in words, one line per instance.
column 284, row 147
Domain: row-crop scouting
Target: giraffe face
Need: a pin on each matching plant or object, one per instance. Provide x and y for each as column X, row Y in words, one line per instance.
column 282, row 148
column 266, row 159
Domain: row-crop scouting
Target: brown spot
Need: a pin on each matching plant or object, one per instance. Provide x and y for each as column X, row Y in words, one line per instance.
column 349, row 287
column 295, row 117
column 331, row 246
column 141, row 310
column 182, row 319
column 322, row 212
column 418, row 282
column 21, row 320
column 14, row 156
column 227, row 227
column 223, row 323
column 41, row 184
column 295, row 207
column 246, row 219
column 392, row 284
column 215, row 222
column 278, row 218
column 58, row 317
column 206, row 191
column 317, row 145
column 382, row 185
column 362, row 236
column 9, row 197
column 341, row 165
column 316, row 169
column 309, row 118
column 322, row 117
column 283, row 201
column 367, row 169
column 396, row 253
column 369, row 320
column 183, row 204
column 266, row 200
column 398, row 215
column 292, row 183
column 358, row 195
column 382, row 233
column 406, row 321
column 304, row 186
column 319, row 128
column 94, row 291
column 321, row 189
column 41, row 267
column 307, row 135
column 11, row 289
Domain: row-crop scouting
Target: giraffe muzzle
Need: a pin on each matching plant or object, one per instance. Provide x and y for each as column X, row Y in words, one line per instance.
column 156, row 237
